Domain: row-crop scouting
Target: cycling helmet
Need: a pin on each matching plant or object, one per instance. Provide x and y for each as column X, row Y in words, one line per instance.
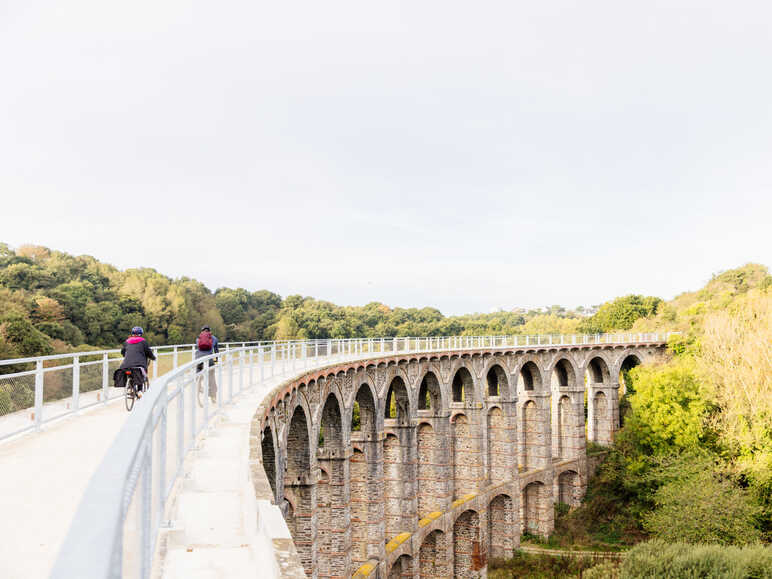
column 206, row 329
column 137, row 331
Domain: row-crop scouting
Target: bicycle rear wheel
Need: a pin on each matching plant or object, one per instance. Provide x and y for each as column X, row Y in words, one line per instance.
column 129, row 396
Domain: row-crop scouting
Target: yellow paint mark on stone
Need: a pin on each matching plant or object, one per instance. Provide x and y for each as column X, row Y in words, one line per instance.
column 397, row 541
column 365, row 570
column 463, row 499
column 429, row 518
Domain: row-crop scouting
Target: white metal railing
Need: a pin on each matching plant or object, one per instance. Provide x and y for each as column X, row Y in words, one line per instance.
column 115, row 530
column 37, row 390
column 34, row 391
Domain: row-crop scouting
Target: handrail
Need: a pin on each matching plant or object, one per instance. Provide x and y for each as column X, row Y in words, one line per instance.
column 32, row 397
column 116, row 527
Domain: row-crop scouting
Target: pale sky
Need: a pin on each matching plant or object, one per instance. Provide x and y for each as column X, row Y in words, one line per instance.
column 463, row 155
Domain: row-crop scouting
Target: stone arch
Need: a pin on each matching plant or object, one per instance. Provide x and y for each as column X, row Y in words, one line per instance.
column 503, row 528
column 430, row 394
column 569, row 488
column 468, row 554
column 462, row 386
column 402, row 567
column 299, row 489
column 497, row 383
column 531, row 438
column 500, row 456
column 365, row 475
column 433, row 556
column 332, row 503
column 563, row 374
column 530, row 376
column 268, row 448
column 397, row 403
column 535, row 506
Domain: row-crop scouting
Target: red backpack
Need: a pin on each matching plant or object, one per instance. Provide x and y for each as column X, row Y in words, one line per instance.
column 205, row 341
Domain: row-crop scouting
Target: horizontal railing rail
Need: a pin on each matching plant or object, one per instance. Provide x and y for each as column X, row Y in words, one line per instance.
column 116, row 527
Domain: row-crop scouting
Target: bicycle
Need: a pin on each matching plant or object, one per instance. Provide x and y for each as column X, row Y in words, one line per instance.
column 200, row 381
column 130, row 395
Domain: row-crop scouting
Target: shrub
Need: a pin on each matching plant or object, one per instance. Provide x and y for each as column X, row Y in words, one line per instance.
column 660, row 559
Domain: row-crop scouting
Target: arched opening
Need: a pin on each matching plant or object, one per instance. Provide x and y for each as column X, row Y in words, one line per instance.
column 500, row 456
column 468, row 552
column 530, row 376
column 597, row 371
column 563, row 375
column 569, row 488
column 331, row 428
column 298, row 490
column 332, row 511
column 399, row 461
column 365, row 473
column 403, row 567
column 463, row 386
column 363, row 412
column 628, row 364
column 397, row 402
column 497, row 381
column 269, row 457
column 429, row 394
column 531, row 438
column 502, row 527
column 434, row 557
column 535, row 516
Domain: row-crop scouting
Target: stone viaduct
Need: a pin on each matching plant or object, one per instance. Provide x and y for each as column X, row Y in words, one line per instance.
column 427, row 465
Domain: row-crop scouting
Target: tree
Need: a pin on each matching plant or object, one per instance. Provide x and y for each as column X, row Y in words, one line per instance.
column 620, row 314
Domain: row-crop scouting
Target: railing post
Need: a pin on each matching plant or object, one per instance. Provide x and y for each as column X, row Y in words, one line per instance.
column 38, row 394
column 241, row 371
column 230, row 380
column 105, row 375
column 175, row 358
column 75, row 383
column 155, row 364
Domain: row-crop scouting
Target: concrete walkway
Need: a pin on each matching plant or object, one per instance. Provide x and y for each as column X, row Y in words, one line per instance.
column 43, row 477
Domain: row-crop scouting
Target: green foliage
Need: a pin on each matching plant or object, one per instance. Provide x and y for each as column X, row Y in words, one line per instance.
column 675, row 560
column 533, row 566
column 669, row 407
column 620, row 314
column 697, row 503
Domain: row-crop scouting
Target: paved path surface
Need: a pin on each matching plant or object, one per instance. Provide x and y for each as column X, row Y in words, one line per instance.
column 42, row 479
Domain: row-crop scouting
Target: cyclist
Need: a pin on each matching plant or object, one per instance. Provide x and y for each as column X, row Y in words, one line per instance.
column 136, row 353
column 206, row 345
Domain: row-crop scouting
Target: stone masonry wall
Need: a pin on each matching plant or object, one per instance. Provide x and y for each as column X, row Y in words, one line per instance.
column 435, row 484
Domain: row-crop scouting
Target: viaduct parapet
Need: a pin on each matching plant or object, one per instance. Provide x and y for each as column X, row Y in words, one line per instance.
column 428, row 465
